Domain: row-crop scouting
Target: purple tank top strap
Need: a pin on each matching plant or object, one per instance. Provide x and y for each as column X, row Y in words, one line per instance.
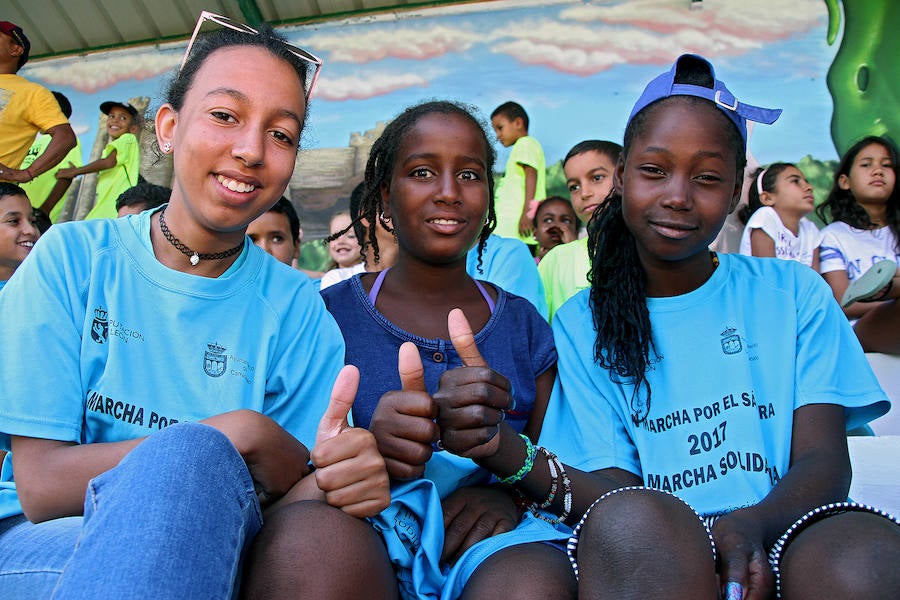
column 376, row 287
column 379, row 281
column 487, row 297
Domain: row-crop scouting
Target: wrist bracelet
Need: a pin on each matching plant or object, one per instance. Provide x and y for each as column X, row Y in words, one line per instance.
column 28, row 172
column 557, row 466
column 554, row 474
column 530, row 453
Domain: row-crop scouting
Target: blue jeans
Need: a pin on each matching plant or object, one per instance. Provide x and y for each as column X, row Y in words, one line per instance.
column 172, row 520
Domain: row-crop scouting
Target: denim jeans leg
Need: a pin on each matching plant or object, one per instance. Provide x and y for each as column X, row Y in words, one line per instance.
column 172, row 520
column 32, row 556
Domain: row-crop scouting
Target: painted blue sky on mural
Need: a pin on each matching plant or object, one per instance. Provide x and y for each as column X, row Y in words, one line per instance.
column 576, row 66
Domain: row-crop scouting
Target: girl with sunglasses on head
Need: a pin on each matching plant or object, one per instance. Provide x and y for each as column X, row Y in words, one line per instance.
column 191, row 373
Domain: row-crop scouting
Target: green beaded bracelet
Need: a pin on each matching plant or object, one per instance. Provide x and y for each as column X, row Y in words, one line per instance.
column 530, row 453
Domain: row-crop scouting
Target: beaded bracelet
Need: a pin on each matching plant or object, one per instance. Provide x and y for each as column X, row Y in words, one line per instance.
column 567, row 488
column 530, row 453
column 554, row 484
column 555, row 463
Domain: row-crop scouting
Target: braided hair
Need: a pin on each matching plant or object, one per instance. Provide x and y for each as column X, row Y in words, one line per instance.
column 842, row 206
column 618, row 294
column 380, row 166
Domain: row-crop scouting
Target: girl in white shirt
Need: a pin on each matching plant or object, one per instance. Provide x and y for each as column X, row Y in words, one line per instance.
column 775, row 216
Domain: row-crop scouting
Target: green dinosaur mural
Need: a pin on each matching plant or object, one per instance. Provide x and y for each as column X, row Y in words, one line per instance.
column 864, row 79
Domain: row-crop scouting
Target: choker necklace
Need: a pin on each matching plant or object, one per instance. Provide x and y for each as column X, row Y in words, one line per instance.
column 193, row 255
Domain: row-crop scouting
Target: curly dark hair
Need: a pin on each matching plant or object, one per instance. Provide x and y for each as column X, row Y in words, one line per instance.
column 624, row 341
column 842, row 206
column 381, row 165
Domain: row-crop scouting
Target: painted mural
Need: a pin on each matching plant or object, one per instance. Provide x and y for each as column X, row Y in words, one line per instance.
column 575, row 65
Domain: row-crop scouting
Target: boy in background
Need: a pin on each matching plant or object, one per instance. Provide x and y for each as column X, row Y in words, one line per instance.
column 143, row 196
column 45, row 190
column 278, row 232
column 522, row 185
column 589, row 168
column 120, row 162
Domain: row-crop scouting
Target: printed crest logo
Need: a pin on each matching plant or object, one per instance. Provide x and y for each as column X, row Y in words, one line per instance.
column 731, row 342
column 214, row 360
column 100, row 326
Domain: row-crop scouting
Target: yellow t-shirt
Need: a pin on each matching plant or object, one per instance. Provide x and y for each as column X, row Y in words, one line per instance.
column 115, row 180
column 26, row 109
column 39, row 188
column 564, row 271
column 509, row 195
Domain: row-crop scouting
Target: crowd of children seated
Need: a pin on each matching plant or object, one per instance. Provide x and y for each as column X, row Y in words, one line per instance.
column 615, row 411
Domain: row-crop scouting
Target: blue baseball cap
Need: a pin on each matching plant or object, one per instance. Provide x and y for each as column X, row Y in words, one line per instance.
column 739, row 112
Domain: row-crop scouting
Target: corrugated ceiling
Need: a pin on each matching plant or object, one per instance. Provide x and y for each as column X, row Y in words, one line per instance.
column 59, row 27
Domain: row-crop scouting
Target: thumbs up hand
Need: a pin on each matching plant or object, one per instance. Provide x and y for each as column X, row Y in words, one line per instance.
column 471, row 399
column 403, row 421
column 349, row 468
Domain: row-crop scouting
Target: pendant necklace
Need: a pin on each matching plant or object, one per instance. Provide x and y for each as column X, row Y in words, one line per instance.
column 194, row 256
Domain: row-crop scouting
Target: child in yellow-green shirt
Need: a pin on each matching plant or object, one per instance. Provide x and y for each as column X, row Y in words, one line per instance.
column 118, row 168
column 522, row 187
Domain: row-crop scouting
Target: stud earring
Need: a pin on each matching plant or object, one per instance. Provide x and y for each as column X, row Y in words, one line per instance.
column 167, row 147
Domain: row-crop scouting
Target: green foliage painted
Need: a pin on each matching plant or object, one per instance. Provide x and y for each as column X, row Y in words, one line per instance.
column 819, row 173
column 314, row 256
column 556, row 180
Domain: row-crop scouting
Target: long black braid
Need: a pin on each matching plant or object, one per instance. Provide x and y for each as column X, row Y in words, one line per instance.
column 380, row 166
column 618, row 297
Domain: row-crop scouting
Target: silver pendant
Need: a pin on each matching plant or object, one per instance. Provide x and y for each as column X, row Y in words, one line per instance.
column 195, row 259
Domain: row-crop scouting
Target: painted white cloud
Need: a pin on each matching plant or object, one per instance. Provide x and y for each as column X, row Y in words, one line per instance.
column 399, row 42
column 100, row 72
column 589, row 38
column 360, row 87
column 735, row 16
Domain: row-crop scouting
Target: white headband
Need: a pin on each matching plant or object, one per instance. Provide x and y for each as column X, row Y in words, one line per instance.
column 759, row 188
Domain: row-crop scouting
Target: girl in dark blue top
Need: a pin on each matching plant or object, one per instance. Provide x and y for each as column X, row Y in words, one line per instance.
column 428, row 180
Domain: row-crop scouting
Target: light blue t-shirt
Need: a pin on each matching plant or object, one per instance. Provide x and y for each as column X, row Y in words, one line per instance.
column 737, row 356
column 122, row 346
column 508, row 264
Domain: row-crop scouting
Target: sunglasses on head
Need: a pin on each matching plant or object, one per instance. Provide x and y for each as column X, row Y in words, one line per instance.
column 226, row 22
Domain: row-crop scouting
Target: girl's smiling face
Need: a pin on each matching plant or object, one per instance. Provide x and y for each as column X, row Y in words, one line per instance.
column 345, row 250
column 679, row 181
column 438, row 194
column 18, row 232
column 235, row 137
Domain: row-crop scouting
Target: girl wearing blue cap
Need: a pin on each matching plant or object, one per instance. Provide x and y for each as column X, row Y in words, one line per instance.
column 711, row 385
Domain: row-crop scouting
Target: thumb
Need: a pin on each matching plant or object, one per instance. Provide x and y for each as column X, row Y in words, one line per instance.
column 463, row 340
column 409, row 365
column 334, row 421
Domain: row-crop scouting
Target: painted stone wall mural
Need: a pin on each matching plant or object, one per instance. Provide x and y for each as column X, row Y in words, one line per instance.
column 575, row 65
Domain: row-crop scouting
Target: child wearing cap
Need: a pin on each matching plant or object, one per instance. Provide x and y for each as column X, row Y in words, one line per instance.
column 696, row 436
column 119, row 163
column 27, row 108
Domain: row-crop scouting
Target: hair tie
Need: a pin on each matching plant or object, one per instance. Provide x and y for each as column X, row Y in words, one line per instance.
column 759, row 187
